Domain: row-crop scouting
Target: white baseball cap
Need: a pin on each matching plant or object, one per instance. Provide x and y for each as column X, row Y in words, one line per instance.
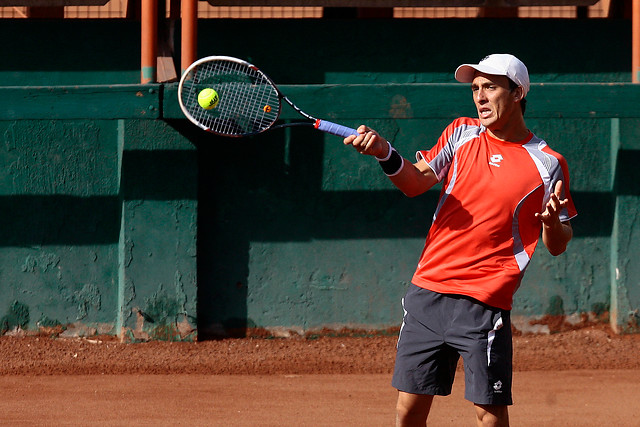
column 499, row 64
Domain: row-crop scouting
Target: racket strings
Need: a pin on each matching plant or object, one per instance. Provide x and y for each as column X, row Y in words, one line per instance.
column 249, row 103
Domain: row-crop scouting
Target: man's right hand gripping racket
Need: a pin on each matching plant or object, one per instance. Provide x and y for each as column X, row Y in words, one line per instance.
column 230, row 97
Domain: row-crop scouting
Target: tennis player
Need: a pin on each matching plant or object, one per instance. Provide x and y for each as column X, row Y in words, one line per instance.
column 502, row 187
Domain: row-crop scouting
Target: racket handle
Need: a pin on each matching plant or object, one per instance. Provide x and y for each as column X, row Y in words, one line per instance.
column 334, row 128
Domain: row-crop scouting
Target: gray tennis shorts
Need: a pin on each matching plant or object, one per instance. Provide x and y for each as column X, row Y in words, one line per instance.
column 437, row 330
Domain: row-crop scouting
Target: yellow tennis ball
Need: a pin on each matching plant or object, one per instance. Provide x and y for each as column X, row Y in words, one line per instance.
column 208, row 98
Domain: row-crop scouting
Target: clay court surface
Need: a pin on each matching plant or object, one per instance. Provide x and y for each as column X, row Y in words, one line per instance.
column 584, row 377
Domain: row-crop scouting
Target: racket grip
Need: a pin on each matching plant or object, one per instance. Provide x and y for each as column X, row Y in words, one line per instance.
column 334, row 128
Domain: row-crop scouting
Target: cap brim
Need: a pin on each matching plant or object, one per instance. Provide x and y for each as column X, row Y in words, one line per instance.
column 466, row 72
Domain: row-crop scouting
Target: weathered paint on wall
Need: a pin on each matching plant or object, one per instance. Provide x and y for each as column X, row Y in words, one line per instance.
column 294, row 232
column 99, row 218
column 321, row 225
column 157, row 244
column 119, row 217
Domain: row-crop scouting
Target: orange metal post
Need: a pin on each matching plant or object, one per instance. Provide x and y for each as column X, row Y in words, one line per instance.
column 149, row 45
column 635, row 42
column 189, row 33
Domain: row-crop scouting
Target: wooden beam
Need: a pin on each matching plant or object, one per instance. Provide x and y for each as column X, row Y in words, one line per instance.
column 79, row 102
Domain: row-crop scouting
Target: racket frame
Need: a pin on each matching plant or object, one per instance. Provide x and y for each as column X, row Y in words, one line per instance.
column 323, row 125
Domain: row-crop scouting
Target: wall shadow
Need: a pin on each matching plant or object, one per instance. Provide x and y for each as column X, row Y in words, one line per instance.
column 249, row 193
column 29, row 220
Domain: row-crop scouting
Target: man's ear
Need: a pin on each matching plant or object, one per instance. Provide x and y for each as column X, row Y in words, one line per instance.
column 517, row 94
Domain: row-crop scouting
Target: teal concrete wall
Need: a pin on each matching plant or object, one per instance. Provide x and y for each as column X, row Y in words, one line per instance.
column 306, row 233
column 120, row 217
column 69, row 52
column 99, row 211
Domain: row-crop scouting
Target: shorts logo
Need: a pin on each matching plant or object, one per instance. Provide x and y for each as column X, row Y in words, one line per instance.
column 497, row 387
column 495, row 160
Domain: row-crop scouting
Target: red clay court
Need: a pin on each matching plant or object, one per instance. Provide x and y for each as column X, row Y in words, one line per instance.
column 583, row 377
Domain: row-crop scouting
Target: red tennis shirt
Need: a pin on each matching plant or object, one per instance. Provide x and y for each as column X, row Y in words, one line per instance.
column 484, row 230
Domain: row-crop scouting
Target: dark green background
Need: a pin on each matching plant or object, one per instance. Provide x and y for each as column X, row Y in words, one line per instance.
column 118, row 213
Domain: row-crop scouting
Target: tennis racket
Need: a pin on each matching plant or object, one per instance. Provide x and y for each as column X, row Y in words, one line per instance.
column 248, row 103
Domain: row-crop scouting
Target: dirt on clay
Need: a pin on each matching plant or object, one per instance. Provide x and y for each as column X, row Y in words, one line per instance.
column 590, row 346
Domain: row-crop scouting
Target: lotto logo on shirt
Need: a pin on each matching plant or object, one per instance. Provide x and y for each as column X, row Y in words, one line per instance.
column 495, row 160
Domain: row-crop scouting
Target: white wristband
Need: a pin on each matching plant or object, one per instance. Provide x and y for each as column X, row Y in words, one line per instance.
column 388, row 154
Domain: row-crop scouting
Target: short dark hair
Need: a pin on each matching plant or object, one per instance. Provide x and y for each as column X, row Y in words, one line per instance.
column 523, row 102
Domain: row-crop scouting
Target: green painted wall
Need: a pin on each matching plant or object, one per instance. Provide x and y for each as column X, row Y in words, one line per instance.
column 308, row 233
column 99, row 213
column 40, row 52
column 120, row 217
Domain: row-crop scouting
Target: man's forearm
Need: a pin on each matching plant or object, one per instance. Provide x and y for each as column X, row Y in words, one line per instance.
column 556, row 237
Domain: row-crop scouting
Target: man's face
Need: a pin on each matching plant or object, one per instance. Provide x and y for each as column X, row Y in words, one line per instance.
column 495, row 102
